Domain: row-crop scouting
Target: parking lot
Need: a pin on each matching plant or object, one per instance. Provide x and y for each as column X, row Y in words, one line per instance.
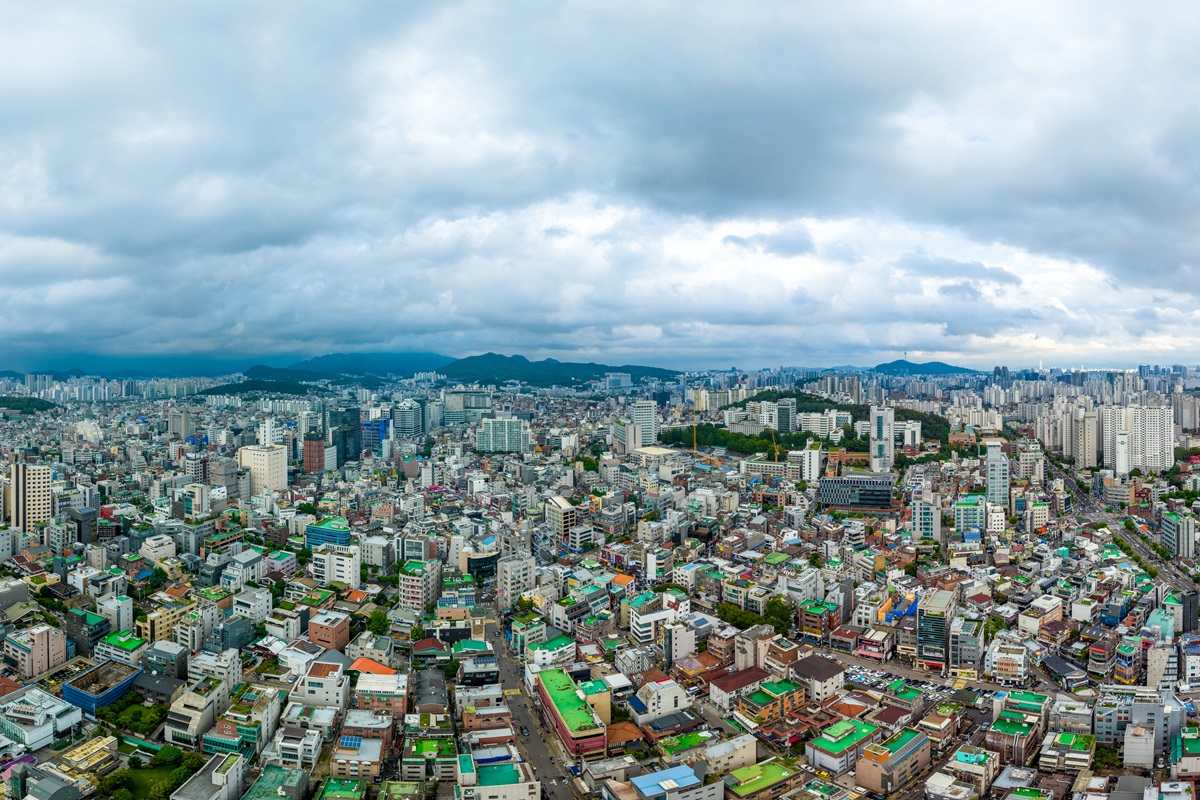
column 53, row 682
column 934, row 691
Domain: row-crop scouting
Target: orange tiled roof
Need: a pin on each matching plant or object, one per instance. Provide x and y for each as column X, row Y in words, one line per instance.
column 371, row 666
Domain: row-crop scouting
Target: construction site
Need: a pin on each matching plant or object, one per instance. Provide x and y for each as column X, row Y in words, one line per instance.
column 100, row 686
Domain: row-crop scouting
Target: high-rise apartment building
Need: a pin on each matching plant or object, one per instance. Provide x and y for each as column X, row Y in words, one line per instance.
column 997, row 475
column 1149, row 442
column 314, row 453
column 1087, row 439
column 31, row 497
column 502, row 436
column 883, row 438
column 267, row 465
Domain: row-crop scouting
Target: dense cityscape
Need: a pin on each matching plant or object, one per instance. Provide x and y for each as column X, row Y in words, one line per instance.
column 904, row 581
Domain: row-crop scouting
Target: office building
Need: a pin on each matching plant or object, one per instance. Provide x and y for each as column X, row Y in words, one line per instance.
column 644, row 413
column 935, row 615
column 267, row 465
column 407, row 419
column 344, row 431
column 883, row 438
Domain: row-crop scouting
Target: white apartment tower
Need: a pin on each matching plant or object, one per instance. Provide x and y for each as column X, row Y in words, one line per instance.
column 997, row 475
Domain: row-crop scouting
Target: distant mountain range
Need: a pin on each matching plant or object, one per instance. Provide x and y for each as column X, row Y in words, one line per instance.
column 903, row 367
column 495, row 368
column 374, row 363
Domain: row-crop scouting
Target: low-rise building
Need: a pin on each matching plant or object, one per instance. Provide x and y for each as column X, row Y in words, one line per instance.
column 892, row 764
column 763, row 781
column 1066, row 752
column 840, row 746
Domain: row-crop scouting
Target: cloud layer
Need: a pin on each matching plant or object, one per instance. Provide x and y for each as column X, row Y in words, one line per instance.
column 675, row 183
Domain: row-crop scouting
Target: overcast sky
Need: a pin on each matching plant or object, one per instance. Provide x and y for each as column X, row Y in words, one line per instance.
column 686, row 184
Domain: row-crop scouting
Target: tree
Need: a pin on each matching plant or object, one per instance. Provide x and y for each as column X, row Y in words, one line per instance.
column 179, row 776
column 169, row 756
column 307, row 508
column 417, row 633
column 157, row 578
column 781, row 614
column 304, row 556
column 911, row 569
column 115, row 781
column 379, row 623
column 260, row 630
column 135, row 762
column 122, row 794
column 193, row 760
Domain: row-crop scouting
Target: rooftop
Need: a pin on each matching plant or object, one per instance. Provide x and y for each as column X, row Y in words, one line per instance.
column 755, row 778
column 841, row 736
column 498, row 775
column 574, row 710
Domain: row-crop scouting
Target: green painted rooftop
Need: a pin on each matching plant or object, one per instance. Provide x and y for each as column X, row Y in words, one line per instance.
column 841, row 736
column 1011, row 726
column 333, row 524
column 574, row 710
column 897, row 742
column 343, row 789
column 557, row 643
column 439, row 746
column 753, row 779
column 124, row 640
column 499, row 775
column 1075, row 741
column 780, row 687
column 676, row 744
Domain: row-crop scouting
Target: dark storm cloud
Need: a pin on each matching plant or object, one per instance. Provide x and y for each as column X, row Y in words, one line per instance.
column 468, row 176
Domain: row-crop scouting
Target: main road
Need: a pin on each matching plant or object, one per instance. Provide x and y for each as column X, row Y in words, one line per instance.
column 538, row 748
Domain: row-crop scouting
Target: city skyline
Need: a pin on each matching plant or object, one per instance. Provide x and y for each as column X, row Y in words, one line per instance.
column 679, row 186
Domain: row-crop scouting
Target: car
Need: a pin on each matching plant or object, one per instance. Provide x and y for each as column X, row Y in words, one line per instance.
column 524, row 731
column 807, row 768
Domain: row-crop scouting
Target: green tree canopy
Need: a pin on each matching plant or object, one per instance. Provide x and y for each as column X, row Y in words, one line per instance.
column 378, row 624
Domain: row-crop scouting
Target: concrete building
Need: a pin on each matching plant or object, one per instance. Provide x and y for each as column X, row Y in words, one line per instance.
column 34, row 651
column 892, row 764
column 337, row 563
column 839, row 747
column 330, row 629
column 31, row 499
column 883, row 438
column 267, row 465
column 935, row 615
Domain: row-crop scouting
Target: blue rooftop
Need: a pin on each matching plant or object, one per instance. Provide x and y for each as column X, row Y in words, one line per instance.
column 143, row 575
column 652, row 785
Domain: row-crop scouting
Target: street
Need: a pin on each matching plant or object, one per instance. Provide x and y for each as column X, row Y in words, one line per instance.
column 539, row 749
